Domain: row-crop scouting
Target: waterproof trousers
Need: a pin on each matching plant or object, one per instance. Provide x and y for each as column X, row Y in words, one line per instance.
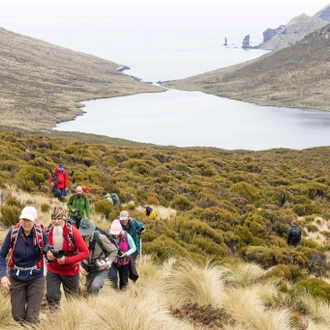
column 26, row 298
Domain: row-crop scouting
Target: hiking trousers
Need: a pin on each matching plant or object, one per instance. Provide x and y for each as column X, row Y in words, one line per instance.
column 53, row 283
column 123, row 276
column 95, row 281
column 26, row 298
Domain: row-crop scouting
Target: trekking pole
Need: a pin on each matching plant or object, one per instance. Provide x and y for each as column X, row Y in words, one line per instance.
column 140, row 251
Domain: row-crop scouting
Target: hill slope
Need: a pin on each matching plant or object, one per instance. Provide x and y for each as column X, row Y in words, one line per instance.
column 296, row 76
column 287, row 35
column 40, row 83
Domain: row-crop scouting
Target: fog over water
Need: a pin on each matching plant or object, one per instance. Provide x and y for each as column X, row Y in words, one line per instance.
column 170, row 40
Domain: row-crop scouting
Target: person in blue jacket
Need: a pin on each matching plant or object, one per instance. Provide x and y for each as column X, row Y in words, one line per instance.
column 134, row 228
column 25, row 244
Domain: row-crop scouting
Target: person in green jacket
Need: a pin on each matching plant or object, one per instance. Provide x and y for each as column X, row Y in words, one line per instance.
column 107, row 197
column 78, row 205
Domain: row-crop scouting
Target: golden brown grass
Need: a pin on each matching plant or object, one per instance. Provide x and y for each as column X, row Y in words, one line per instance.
column 43, row 83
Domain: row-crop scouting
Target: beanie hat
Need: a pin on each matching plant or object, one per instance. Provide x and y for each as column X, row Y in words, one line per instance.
column 30, row 213
column 58, row 213
column 104, row 193
column 115, row 228
column 86, row 227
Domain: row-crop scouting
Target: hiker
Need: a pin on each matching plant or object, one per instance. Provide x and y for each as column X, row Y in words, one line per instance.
column 24, row 243
column 73, row 188
column 78, row 205
column 69, row 249
column 101, row 255
column 150, row 213
column 134, row 228
column 107, row 197
column 111, row 198
column 293, row 235
column 59, row 181
column 126, row 247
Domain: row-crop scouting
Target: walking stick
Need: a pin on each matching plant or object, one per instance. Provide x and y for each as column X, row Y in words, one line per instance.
column 140, row 251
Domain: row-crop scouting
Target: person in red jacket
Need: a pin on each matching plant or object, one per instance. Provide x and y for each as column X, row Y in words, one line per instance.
column 59, row 181
column 68, row 250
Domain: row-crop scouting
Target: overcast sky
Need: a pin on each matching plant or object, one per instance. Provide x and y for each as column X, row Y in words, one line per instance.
column 42, row 18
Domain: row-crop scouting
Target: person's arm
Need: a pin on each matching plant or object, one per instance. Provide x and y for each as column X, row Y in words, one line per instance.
column 69, row 203
column 110, row 248
column 66, row 180
column 4, row 252
column 288, row 236
column 87, row 208
column 131, row 244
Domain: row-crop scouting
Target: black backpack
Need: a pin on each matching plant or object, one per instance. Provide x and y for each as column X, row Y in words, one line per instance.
column 54, row 178
column 115, row 199
column 295, row 234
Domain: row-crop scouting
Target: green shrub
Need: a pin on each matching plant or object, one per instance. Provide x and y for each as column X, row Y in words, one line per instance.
column 316, row 287
column 12, row 201
column 10, row 215
column 103, row 207
column 30, row 178
column 45, row 207
column 286, row 272
column 312, row 228
column 163, row 248
column 299, row 209
column 180, row 203
column 246, row 190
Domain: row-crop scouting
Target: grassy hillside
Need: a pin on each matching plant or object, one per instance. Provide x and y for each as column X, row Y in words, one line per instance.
column 296, row 76
column 40, row 83
column 231, row 207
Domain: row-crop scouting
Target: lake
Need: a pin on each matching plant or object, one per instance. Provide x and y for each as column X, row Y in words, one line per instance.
column 185, row 119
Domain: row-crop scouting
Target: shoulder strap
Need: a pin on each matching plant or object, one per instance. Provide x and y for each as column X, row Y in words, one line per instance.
column 99, row 242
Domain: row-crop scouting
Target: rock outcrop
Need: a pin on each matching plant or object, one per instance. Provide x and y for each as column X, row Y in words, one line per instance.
column 287, row 35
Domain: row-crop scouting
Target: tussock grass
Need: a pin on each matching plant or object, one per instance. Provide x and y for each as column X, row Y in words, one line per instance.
column 137, row 308
column 245, row 305
column 5, row 309
column 243, row 274
column 318, row 308
column 193, row 284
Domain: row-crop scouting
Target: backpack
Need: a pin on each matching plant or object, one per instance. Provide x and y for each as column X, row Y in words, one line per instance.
column 69, row 238
column 295, row 234
column 153, row 215
column 102, row 231
column 115, row 199
column 39, row 240
column 54, row 178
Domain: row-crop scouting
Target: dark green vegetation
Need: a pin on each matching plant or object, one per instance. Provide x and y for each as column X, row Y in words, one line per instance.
column 229, row 203
column 296, row 76
column 40, row 83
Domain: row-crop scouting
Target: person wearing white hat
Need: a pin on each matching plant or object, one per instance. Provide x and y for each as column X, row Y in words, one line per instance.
column 24, row 243
column 126, row 247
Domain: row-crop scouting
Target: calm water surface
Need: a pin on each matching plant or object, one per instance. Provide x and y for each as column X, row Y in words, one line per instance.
column 183, row 119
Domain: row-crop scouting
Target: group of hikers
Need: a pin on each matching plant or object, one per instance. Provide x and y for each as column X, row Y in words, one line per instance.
column 55, row 255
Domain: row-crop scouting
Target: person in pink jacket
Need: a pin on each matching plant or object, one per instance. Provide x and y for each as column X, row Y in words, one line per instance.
column 68, row 249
